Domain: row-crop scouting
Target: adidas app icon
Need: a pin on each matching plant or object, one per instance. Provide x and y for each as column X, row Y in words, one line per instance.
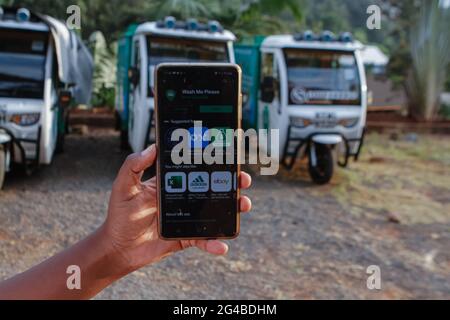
column 198, row 182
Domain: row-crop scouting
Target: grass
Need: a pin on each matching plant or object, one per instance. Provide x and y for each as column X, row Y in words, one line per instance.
column 408, row 179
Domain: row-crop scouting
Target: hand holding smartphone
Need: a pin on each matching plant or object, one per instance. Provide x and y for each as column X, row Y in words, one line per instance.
column 198, row 112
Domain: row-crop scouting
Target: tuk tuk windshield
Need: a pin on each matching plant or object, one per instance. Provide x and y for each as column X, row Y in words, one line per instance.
column 22, row 63
column 322, row 77
column 171, row 49
column 185, row 50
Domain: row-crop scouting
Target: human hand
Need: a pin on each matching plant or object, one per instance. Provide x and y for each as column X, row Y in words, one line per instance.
column 131, row 225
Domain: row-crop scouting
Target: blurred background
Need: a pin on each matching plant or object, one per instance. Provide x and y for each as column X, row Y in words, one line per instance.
column 302, row 241
column 388, row 53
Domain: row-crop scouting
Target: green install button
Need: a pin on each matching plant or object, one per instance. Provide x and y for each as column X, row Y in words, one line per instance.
column 216, row 109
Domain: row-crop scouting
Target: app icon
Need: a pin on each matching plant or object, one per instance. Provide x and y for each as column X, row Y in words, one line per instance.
column 170, row 94
column 175, row 182
column 197, row 135
column 198, row 182
column 221, row 137
column 221, row 181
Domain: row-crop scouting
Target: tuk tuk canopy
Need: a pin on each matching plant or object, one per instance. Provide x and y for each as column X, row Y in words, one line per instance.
column 75, row 62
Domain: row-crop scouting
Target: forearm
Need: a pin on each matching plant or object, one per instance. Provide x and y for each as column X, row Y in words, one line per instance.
column 48, row 280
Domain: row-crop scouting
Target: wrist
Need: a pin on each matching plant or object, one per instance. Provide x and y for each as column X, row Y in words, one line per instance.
column 113, row 263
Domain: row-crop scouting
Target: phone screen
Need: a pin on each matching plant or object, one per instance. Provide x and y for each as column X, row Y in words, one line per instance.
column 198, row 198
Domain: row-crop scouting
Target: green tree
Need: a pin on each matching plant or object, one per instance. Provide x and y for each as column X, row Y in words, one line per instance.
column 419, row 60
column 105, row 71
column 244, row 18
column 247, row 18
column 402, row 13
column 184, row 9
column 429, row 47
column 327, row 15
column 111, row 17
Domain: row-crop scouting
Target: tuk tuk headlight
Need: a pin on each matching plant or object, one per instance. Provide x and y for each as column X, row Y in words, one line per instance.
column 25, row 119
column 300, row 122
column 349, row 122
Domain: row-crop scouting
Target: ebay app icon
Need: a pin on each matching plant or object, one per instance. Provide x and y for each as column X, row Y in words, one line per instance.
column 221, row 181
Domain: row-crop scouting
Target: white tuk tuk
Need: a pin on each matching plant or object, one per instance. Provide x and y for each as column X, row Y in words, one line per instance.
column 142, row 48
column 313, row 89
column 44, row 67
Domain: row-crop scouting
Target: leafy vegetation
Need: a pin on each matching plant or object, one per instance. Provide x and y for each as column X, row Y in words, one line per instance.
column 420, row 61
column 247, row 18
column 430, row 48
column 104, row 72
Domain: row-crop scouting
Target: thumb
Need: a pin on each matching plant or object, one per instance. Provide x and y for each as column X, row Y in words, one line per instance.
column 131, row 171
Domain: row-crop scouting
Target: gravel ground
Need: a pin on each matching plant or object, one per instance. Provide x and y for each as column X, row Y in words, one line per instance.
column 300, row 242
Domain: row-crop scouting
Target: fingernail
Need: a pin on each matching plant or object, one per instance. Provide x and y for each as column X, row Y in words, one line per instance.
column 147, row 151
column 216, row 247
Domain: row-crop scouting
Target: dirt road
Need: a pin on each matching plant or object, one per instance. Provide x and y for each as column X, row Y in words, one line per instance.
column 301, row 241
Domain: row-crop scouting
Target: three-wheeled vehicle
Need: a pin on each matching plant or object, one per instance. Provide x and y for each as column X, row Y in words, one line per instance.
column 313, row 89
column 44, row 67
column 142, row 48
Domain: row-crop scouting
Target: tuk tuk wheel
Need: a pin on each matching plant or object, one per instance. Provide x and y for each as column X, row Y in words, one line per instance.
column 2, row 166
column 323, row 171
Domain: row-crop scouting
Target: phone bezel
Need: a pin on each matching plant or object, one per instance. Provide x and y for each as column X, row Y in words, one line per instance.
column 158, row 163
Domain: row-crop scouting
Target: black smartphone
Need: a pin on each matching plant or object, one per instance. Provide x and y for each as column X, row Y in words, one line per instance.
column 198, row 113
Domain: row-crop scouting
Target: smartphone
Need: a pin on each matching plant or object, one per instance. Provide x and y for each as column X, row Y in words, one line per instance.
column 198, row 110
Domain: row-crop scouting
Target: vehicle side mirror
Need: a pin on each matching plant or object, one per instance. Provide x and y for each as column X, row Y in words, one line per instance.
column 268, row 89
column 64, row 98
column 133, row 76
